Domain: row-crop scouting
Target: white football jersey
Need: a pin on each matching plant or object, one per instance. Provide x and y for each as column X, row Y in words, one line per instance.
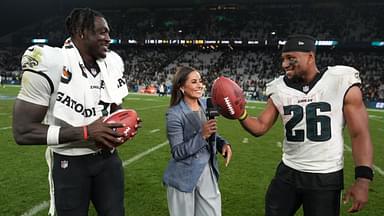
column 43, row 68
column 313, row 118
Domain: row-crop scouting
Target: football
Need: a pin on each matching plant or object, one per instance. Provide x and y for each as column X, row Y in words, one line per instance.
column 228, row 97
column 126, row 116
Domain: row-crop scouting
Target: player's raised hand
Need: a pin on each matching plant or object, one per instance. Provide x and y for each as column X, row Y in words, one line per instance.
column 227, row 153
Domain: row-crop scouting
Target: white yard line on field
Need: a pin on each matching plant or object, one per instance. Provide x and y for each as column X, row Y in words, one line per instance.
column 375, row 110
column 37, row 209
column 376, row 168
column 376, row 118
column 278, row 144
column 245, row 140
column 154, row 130
column 45, row 204
column 151, row 107
column 142, row 154
column 5, row 128
column 254, row 107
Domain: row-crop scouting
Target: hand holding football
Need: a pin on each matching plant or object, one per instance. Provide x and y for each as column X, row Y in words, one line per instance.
column 125, row 116
column 229, row 97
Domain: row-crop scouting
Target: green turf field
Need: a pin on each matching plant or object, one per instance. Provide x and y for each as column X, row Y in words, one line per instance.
column 23, row 170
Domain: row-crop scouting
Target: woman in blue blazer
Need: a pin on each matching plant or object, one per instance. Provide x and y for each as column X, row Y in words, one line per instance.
column 192, row 173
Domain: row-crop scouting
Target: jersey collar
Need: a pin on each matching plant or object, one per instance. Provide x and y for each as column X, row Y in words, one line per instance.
column 305, row 88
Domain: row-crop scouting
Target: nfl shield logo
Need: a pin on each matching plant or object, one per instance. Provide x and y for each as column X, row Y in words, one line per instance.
column 64, row 164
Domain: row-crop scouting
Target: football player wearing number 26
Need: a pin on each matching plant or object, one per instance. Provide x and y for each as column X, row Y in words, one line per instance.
column 314, row 106
column 64, row 95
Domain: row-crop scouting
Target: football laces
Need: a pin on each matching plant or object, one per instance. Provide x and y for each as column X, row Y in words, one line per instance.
column 229, row 106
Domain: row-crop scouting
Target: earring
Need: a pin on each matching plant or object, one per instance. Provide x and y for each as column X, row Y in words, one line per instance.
column 182, row 90
column 81, row 36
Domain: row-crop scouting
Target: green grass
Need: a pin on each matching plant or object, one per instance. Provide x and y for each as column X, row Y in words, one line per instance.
column 23, row 178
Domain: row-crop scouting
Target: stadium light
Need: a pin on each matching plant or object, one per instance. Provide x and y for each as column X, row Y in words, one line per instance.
column 40, row 41
column 326, row 43
column 318, row 42
column 115, row 41
column 377, row 43
column 253, row 42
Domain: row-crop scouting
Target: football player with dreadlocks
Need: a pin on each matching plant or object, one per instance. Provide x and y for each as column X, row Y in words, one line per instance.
column 64, row 94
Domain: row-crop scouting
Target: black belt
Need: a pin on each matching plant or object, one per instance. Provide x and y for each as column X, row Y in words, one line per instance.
column 105, row 152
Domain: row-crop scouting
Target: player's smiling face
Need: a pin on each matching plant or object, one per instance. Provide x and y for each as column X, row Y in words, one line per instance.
column 98, row 40
column 193, row 86
column 295, row 64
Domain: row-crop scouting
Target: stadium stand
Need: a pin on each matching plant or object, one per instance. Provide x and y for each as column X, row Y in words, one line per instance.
column 353, row 27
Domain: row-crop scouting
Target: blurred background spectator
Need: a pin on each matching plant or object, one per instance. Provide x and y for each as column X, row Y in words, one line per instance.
column 354, row 25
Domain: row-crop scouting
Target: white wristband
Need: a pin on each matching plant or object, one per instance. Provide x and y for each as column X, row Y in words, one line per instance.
column 53, row 135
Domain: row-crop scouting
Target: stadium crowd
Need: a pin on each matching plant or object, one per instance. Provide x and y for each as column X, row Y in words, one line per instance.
column 252, row 68
column 345, row 23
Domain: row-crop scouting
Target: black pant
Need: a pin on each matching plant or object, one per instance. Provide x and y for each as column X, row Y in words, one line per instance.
column 318, row 193
column 96, row 177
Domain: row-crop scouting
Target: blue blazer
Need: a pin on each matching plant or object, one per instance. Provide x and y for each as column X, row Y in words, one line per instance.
column 190, row 151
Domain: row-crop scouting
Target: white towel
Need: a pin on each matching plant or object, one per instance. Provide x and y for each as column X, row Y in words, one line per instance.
column 49, row 158
column 75, row 105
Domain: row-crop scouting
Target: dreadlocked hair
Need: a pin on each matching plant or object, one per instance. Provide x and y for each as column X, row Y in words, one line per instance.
column 81, row 19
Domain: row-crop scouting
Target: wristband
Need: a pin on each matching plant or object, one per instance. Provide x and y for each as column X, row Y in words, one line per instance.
column 85, row 133
column 363, row 172
column 243, row 116
column 53, row 135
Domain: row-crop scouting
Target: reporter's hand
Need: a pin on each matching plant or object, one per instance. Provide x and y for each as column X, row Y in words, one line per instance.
column 209, row 128
column 227, row 153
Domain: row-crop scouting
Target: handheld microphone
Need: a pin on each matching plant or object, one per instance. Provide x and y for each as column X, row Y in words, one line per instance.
column 211, row 113
column 212, row 110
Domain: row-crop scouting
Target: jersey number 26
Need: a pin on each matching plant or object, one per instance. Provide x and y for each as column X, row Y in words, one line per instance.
column 313, row 122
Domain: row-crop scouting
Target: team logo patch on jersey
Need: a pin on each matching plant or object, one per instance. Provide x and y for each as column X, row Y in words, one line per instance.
column 66, row 76
column 357, row 76
column 64, row 164
column 27, row 62
column 31, row 58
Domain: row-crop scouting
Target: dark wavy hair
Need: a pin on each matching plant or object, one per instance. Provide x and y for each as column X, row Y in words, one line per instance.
column 81, row 19
column 179, row 80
